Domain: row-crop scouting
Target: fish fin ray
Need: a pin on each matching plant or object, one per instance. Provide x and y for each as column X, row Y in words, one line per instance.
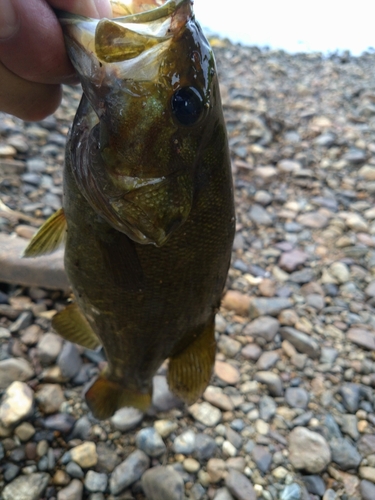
column 50, row 236
column 105, row 396
column 190, row 370
column 71, row 324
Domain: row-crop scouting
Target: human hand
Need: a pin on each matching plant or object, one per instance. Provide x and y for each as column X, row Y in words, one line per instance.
column 33, row 60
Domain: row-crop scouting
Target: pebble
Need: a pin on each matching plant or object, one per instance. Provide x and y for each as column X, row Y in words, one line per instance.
column 291, row 492
column 272, row 381
column 50, row 397
column 74, row 470
column 313, row 220
column 301, row 341
column 149, row 441
column 191, row 465
column 239, row 485
column 96, row 481
column 297, row 397
column 165, row 427
column 85, row 455
column 267, row 360
column 290, row 261
column 73, row 491
column 14, row 369
column 30, row 487
column 264, row 326
column 237, row 302
column 367, row 490
column 367, row 473
column 69, row 360
column 252, row 352
column 204, row 447
column 223, row 494
column 49, row 347
column 163, row 483
column 128, row 471
column 16, row 404
column 314, row 484
column 205, row 413
column 126, row 419
column 24, row 431
column 361, row 337
column 216, row 397
column 308, row 450
column 351, row 394
column 344, row 454
column 162, row 398
column 262, row 457
column 262, row 306
column 185, row 442
column 226, row 372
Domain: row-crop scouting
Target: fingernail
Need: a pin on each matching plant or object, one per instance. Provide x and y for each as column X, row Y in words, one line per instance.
column 8, row 19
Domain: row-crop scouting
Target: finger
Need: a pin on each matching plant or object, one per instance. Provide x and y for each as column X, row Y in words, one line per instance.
column 27, row 100
column 91, row 8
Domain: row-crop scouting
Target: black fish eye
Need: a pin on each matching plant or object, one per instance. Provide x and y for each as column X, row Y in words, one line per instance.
column 187, row 105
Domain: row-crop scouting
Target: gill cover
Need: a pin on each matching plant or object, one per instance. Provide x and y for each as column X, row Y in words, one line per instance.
column 132, row 156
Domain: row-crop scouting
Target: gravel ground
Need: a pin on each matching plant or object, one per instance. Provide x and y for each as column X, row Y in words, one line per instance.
column 290, row 412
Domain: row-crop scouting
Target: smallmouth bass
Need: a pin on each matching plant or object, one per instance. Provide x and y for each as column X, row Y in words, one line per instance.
column 148, row 212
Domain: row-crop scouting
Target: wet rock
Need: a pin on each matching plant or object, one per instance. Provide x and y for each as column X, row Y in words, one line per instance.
column 165, row 427
column 85, row 454
column 95, row 481
column 260, row 216
column 216, row 397
column 162, row 398
column 74, row 470
column 252, row 352
column 149, row 441
column 16, row 404
column 264, row 326
column 262, row 457
column 308, row 450
column 367, row 473
column 24, row 431
column 14, row 369
column 228, row 346
column 163, row 483
column 126, row 419
column 366, row 445
column 267, row 408
column 108, row 459
column 128, row 471
column 30, row 487
column 223, row 494
column 62, row 422
column 313, row 220
column 205, row 447
column 239, row 485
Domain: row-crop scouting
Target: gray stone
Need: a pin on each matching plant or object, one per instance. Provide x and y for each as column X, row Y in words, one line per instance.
column 163, row 483
column 291, row 492
column 49, row 347
column 205, row 413
column 149, row 441
column 162, row 398
column 96, row 481
column 223, row 494
column 361, row 337
column 308, row 450
column 74, row 470
column 185, row 442
column 267, row 360
column 239, row 485
column 262, row 457
column 262, row 306
column 344, row 454
column 50, row 397
column 260, row 216
column 17, row 404
column 351, row 395
column 267, row 408
column 272, row 381
column 13, row 369
column 204, row 448
column 69, row 360
column 126, row 419
column 30, row 487
column 314, row 484
column 349, row 426
column 73, row 491
column 108, row 459
column 23, row 321
column 301, row 341
column 128, row 471
column 367, row 490
column 366, row 445
column 296, row 397
column 290, row 261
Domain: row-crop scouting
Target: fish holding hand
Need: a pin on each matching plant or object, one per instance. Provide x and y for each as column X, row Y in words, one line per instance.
column 148, row 213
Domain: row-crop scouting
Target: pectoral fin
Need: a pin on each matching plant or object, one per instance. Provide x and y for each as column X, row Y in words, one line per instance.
column 105, row 396
column 190, row 370
column 49, row 236
column 73, row 326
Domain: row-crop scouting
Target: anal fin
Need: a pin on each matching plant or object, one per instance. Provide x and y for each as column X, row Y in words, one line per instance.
column 190, row 370
column 49, row 237
column 71, row 324
column 105, row 396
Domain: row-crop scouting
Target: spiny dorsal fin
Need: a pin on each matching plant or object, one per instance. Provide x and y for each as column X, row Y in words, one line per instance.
column 190, row 370
column 49, row 236
column 73, row 326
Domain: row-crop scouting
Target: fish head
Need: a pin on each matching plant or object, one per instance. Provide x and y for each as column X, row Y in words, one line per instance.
column 150, row 80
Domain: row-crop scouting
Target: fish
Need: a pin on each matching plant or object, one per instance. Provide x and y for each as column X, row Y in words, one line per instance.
column 148, row 216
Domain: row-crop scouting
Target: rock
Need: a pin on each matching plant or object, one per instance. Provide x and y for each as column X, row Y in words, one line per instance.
column 291, row 492
column 272, row 381
column 223, row 494
column 50, row 397
column 108, row 459
column 49, row 347
column 62, row 422
column 163, row 483
column 191, row 465
column 126, row 419
column 149, row 441
column 296, row 397
column 262, row 457
column 340, row 271
column 290, row 261
column 74, row 470
column 357, row 223
column 30, row 487
column 13, row 369
column 47, row 272
column 301, row 341
column 264, row 326
column 184, row 443
column 239, row 485
column 226, row 372
column 73, row 491
column 205, row 413
column 267, row 360
column 85, row 455
column 237, row 302
column 314, row 484
column 260, row 216
column 261, row 306
column 162, row 398
column 216, row 397
column 228, row 346
column 216, row 469
column 367, row 490
column 367, row 473
column 16, row 404
column 313, row 220
column 128, row 471
column 351, row 394
column 24, row 431
column 69, row 361
column 95, row 481
column 252, row 352
column 267, row 408
column 366, row 445
column 205, row 447
column 350, row 426
column 308, row 450
column 344, row 454
column 361, row 337
column 165, row 427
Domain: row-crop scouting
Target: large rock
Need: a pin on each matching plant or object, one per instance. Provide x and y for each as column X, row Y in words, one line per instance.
column 129, row 471
column 29, row 487
column 14, row 369
column 16, row 405
column 45, row 272
column 239, row 485
column 308, row 450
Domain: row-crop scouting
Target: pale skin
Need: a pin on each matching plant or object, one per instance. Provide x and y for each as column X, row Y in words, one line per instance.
column 33, row 60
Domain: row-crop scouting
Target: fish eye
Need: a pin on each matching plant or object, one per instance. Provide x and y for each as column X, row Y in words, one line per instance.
column 187, row 105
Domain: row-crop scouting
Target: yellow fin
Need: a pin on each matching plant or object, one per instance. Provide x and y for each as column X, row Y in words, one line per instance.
column 190, row 370
column 49, row 236
column 106, row 396
column 73, row 326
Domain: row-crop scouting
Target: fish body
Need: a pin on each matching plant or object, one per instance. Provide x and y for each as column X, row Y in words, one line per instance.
column 148, row 202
